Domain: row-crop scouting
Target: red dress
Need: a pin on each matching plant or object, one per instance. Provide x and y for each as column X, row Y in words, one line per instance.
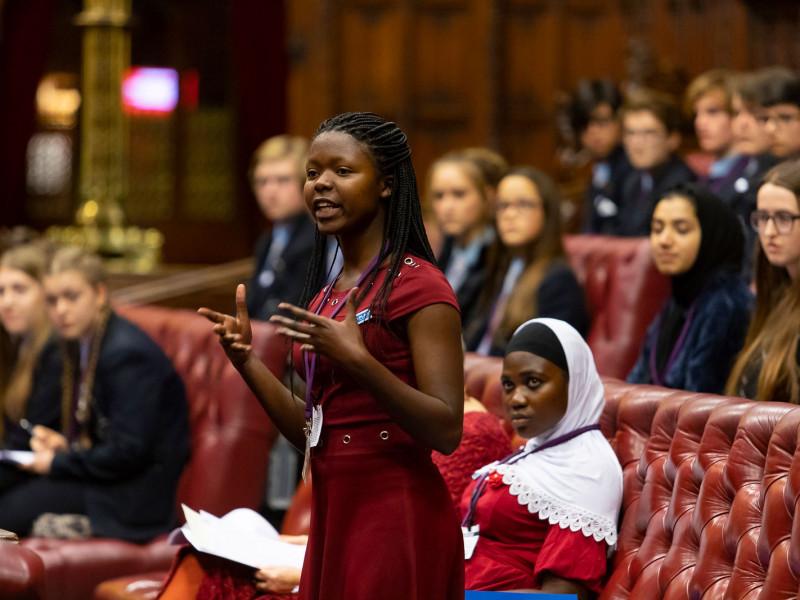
column 516, row 547
column 484, row 441
column 382, row 522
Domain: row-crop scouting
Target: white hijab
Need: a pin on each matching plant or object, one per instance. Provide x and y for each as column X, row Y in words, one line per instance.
column 577, row 484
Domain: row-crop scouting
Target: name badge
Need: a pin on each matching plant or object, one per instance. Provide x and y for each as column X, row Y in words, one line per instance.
column 316, row 426
column 471, row 538
column 363, row 316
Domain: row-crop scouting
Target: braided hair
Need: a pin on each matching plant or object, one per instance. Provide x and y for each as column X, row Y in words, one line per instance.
column 403, row 230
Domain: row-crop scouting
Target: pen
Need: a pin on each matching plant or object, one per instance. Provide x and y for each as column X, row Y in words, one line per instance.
column 26, row 425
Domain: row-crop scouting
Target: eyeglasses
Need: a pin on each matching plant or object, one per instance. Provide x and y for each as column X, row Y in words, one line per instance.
column 781, row 119
column 784, row 221
column 519, row 206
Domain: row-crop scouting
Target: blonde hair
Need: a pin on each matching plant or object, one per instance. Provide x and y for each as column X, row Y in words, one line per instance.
column 482, row 166
column 74, row 258
column 18, row 357
column 773, row 336
column 281, row 147
column 715, row 80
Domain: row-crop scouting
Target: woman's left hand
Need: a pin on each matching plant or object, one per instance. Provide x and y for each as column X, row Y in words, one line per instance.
column 340, row 341
column 279, row 580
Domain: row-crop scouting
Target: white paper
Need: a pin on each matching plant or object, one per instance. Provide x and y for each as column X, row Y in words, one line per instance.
column 242, row 536
column 20, row 457
column 471, row 538
column 316, row 426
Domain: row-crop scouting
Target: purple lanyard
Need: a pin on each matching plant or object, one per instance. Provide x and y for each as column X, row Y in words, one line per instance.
column 480, row 487
column 656, row 377
column 311, row 361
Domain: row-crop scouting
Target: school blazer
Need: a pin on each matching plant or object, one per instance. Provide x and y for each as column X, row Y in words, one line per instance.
column 140, row 438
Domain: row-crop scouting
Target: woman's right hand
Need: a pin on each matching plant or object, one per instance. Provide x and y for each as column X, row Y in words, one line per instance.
column 235, row 333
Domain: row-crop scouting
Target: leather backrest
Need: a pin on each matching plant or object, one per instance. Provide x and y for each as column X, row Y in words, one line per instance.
column 228, row 426
column 624, row 292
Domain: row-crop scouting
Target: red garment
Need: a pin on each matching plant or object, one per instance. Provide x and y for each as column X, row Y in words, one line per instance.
column 382, row 522
column 516, row 547
column 484, row 441
column 222, row 579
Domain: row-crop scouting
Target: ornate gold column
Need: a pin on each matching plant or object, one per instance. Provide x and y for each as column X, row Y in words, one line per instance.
column 103, row 176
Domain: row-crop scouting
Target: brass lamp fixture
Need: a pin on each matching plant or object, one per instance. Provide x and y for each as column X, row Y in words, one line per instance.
column 103, row 175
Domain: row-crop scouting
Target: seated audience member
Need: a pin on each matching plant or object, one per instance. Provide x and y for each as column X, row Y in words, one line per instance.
column 697, row 241
column 769, row 366
column 124, row 425
column 708, row 100
column 462, row 188
column 544, row 517
column 650, row 134
column 27, row 354
column 483, row 441
column 593, row 117
column 752, row 140
column 277, row 174
column 528, row 272
column 780, row 97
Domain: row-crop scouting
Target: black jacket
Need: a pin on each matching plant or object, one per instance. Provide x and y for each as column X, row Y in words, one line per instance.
column 140, row 438
column 603, row 192
column 559, row 296
column 470, row 290
column 289, row 273
column 636, row 207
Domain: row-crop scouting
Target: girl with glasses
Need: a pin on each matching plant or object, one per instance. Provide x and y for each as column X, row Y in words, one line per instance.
column 769, row 366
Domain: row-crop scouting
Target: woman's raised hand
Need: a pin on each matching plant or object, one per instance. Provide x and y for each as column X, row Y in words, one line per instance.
column 340, row 341
column 235, row 333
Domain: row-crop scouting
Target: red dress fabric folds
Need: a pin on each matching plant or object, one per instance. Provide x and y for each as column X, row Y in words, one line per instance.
column 383, row 524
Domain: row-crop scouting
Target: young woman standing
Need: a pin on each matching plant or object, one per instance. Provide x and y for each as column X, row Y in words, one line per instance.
column 381, row 352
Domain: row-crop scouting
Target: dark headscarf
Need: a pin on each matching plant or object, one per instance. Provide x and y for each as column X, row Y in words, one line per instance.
column 721, row 251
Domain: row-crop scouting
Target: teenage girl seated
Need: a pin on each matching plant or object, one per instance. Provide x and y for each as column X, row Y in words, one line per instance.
column 769, row 366
column 544, row 517
column 697, row 241
column 528, row 272
column 124, row 434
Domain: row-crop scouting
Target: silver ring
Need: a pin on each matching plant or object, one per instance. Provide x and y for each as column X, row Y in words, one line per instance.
column 408, row 260
column 346, row 438
column 384, row 435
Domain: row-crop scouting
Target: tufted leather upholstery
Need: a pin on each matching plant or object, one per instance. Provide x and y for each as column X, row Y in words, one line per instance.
column 624, row 292
column 711, row 486
column 228, row 427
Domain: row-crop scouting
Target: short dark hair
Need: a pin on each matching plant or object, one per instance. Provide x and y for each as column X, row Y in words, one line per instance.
column 779, row 85
column 588, row 95
column 663, row 107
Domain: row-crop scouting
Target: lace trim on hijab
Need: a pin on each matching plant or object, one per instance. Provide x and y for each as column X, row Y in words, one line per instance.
column 556, row 512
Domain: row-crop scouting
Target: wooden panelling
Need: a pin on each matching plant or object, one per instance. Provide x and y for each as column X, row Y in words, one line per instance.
column 489, row 72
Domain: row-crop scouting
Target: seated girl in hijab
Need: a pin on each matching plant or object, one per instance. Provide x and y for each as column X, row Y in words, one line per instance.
column 544, row 517
column 698, row 242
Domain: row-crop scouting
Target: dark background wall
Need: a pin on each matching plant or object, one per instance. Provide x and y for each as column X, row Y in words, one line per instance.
column 452, row 72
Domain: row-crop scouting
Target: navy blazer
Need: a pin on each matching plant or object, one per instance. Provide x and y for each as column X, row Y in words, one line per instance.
column 635, row 209
column 140, row 438
column 468, row 294
column 290, row 271
column 714, row 338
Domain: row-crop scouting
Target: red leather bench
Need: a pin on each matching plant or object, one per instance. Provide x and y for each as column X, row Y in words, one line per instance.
column 711, row 486
column 231, row 439
column 624, row 292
